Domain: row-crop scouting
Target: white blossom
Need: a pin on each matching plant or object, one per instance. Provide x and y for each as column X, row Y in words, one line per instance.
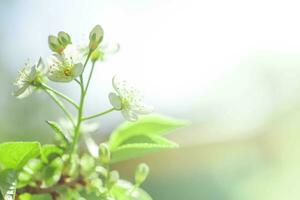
column 30, row 78
column 128, row 100
column 65, row 67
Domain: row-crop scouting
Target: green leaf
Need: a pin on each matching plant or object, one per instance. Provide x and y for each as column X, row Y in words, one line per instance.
column 14, row 155
column 148, row 125
column 59, row 133
column 135, row 150
column 30, row 172
column 27, row 196
column 123, row 190
column 133, row 139
column 8, row 184
column 50, row 152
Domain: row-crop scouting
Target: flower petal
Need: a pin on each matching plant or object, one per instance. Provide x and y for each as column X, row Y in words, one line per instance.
column 116, row 84
column 115, row 101
column 129, row 115
column 143, row 109
column 77, row 70
column 28, row 91
column 19, row 90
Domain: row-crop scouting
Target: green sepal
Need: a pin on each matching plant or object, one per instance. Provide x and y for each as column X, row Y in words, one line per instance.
column 64, row 39
column 54, row 44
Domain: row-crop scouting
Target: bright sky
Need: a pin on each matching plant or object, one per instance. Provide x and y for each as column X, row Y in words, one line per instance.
column 176, row 51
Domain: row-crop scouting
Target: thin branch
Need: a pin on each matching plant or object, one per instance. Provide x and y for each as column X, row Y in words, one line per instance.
column 89, row 79
column 98, row 115
column 60, row 104
column 80, row 110
column 53, row 189
column 71, row 101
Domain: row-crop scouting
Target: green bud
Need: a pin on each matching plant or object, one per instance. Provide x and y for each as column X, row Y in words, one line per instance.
column 113, row 177
column 104, row 154
column 101, row 171
column 96, row 36
column 87, row 164
column 64, row 38
column 96, row 55
column 141, row 173
column 73, row 165
column 54, row 44
column 33, row 166
column 24, row 177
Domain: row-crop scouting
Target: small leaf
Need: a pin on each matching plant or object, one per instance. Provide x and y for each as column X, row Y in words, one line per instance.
column 59, row 133
column 148, row 125
column 15, row 155
column 8, row 184
column 50, row 152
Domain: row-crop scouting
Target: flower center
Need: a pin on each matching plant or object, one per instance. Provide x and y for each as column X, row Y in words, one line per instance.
column 67, row 72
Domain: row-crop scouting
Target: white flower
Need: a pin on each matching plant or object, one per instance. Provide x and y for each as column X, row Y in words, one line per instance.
column 102, row 51
column 30, row 78
column 128, row 100
column 105, row 50
column 65, row 67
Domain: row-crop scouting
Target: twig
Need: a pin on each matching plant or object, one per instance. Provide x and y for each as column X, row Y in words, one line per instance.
column 53, row 189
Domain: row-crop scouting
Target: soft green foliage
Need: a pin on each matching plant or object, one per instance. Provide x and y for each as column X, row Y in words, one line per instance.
column 59, row 133
column 50, row 152
column 28, row 196
column 61, row 171
column 8, row 184
column 14, row 155
column 134, row 139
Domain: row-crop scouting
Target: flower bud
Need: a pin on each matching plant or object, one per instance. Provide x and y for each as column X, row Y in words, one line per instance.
column 64, row 39
column 96, row 36
column 104, row 154
column 96, row 55
column 113, row 177
column 141, row 173
column 54, row 44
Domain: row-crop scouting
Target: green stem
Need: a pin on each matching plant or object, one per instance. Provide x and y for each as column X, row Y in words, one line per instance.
column 60, row 104
column 71, row 101
column 80, row 109
column 98, row 115
column 89, row 79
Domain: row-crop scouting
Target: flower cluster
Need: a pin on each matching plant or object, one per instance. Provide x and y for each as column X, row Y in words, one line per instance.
column 64, row 170
column 67, row 63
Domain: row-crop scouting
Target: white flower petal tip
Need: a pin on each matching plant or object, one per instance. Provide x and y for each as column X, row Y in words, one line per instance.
column 30, row 77
column 66, row 67
column 115, row 101
column 128, row 100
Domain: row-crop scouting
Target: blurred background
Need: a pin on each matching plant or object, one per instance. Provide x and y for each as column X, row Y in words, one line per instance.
column 230, row 67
